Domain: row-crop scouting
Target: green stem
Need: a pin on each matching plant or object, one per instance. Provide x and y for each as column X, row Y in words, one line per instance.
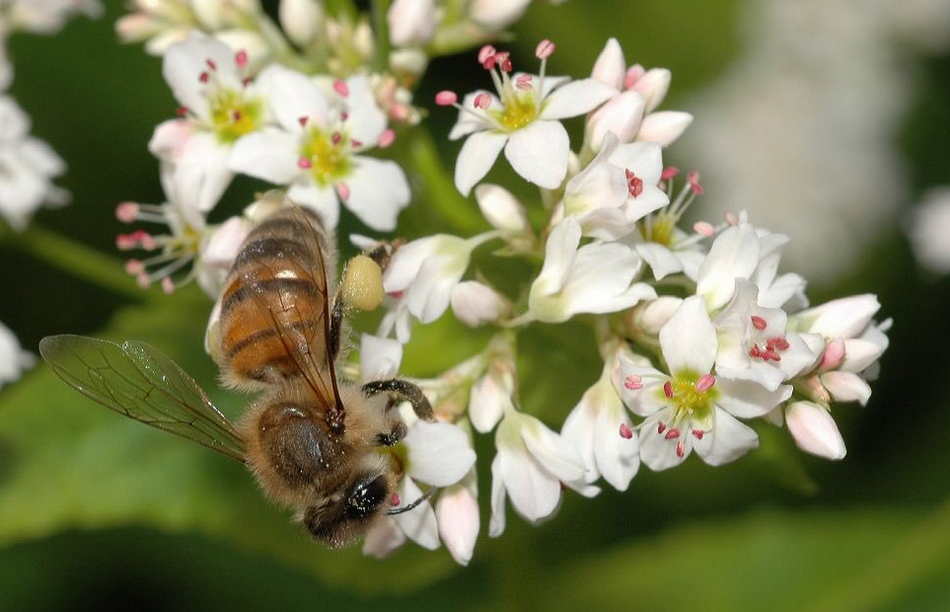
column 439, row 188
column 381, row 28
column 77, row 259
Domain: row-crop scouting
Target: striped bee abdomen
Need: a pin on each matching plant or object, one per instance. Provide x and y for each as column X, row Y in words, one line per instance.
column 275, row 298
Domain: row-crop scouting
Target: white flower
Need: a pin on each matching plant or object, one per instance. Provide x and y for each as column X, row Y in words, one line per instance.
column 426, row 271
column 14, row 361
column 494, row 15
column 755, row 345
column 691, row 408
column 491, row 394
column 379, row 357
column 502, row 209
column 522, row 120
column 458, row 517
column 630, row 111
column 27, row 167
column 601, row 431
column 411, row 22
column 316, row 148
column 182, row 147
column 301, row 20
column 476, row 303
column 814, row 430
column 595, row 278
column 531, row 464
column 46, row 16
column 929, row 228
column 616, row 189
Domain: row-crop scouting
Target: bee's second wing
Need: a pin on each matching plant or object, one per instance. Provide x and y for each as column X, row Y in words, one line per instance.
column 140, row 382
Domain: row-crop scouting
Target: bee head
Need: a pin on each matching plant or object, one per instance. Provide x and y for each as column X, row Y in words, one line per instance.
column 342, row 517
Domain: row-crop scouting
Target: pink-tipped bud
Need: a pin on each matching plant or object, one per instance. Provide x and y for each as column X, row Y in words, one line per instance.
column 485, row 53
column 693, row 179
column 625, row 432
column 634, row 73
column 304, row 163
column 704, row 229
column 523, row 82
column 633, row 382
column 126, row 212
column 168, row 286
column 545, row 49
column 446, row 98
column 240, row 58
column 341, row 87
column 833, row 355
column 343, row 190
column 482, row 101
column 386, row 139
column 705, row 383
column 668, row 389
column 759, row 323
column 669, row 172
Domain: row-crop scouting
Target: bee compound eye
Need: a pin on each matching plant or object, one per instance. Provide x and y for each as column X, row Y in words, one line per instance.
column 365, row 498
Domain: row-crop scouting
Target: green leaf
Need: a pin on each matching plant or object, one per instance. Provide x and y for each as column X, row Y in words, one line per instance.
column 70, row 463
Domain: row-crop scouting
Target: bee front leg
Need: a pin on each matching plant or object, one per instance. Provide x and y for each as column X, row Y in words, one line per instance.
column 406, row 390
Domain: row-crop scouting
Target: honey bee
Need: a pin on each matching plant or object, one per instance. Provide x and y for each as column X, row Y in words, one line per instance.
column 310, row 439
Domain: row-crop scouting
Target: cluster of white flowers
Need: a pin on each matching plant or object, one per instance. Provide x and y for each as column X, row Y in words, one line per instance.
column 699, row 333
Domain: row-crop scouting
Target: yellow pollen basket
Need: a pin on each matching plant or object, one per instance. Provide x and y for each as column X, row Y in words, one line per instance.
column 328, row 160
column 232, row 116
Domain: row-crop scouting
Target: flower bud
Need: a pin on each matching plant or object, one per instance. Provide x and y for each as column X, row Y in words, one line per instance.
column 379, row 357
column 495, row 15
column 841, row 318
column 664, row 127
column 300, row 19
column 648, row 317
column 846, row 387
column 621, row 115
column 653, row 85
column 814, row 430
column 459, row 522
column 610, row 65
column 411, row 22
column 501, row 209
column 476, row 304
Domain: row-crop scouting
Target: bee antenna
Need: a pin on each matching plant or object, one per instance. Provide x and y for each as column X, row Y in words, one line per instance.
column 422, row 498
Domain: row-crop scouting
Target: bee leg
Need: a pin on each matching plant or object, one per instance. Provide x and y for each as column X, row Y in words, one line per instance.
column 397, row 433
column 383, row 252
column 337, row 314
column 408, row 391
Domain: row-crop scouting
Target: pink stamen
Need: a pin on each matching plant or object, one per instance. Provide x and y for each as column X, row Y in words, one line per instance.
column 698, row 434
column 386, row 138
column 523, row 82
column 341, row 87
column 693, row 179
column 669, row 172
column 771, row 355
column 503, row 60
column 394, row 500
column 303, row 120
column 680, row 449
column 485, row 53
column 668, row 389
column 754, row 351
column 343, row 190
column 625, row 432
column 758, row 322
column 634, row 183
column 396, row 294
column 211, row 64
column 704, row 229
column 336, row 137
column 168, row 286
column 344, row 116
column 779, row 343
column 246, row 81
column 356, row 143
column 446, row 98
column 134, row 267
column 203, row 77
column 705, row 383
column 399, row 112
column 482, row 100
column 545, row 49
column 304, row 163
column 240, row 58
column 672, row 434
column 633, row 382
column 181, row 111
column 126, row 212
column 833, row 355
column 661, row 427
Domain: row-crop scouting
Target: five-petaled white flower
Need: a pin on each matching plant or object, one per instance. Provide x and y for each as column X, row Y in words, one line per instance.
column 522, row 119
column 317, row 148
column 690, row 407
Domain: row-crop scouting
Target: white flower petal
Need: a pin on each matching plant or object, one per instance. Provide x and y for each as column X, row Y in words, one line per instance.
column 497, row 524
column 552, row 451
column 185, row 61
column 269, row 154
column 656, row 451
column 539, row 153
column 379, row 357
column 459, row 523
column 292, row 95
column 653, row 85
column 439, row 453
column 406, row 261
column 366, row 119
column 610, row 66
column 621, row 115
column 488, row 401
column 728, row 440
column 747, row 399
column 645, row 159
column 734, row 254
column 689, row 339
column 378, row 191
column 418, row 524
column 475, row 303
column 384, row 538
column 575, row 98
column 322, row 200
column 476, row 158
column 559, row 254
column 814, row 430
column 659, row 258
column 664, row 127
column 846, row 387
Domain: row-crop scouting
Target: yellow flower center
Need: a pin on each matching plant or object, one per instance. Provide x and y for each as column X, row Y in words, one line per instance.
column 329, row 160
column 688, row 403
column 520, row 110
column 660, row 230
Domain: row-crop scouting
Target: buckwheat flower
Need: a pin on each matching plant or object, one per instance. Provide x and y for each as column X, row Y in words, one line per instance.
column 475, row 303
column 691, row 408
column 596, row 278
column 929, row 228
column 14, row 361
column 630, row 111
column 755, row 345
column 522, row 119
column 411, row 22
column 458, row 518
column 502, row 209
column 602, row 432
column 426, row 271
column 27, row 168
column 491, row 395
column 814, row 430
column 616, row 189
column 317, row 148
column 531, row 464
column 301, row 20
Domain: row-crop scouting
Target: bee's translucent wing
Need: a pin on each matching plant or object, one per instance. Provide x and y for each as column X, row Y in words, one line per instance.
column 140, row 382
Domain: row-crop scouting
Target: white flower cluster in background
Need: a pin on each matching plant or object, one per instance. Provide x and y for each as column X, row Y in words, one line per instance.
column 703, row 341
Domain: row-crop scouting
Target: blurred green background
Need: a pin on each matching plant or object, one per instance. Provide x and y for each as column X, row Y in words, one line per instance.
column 100, row 513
